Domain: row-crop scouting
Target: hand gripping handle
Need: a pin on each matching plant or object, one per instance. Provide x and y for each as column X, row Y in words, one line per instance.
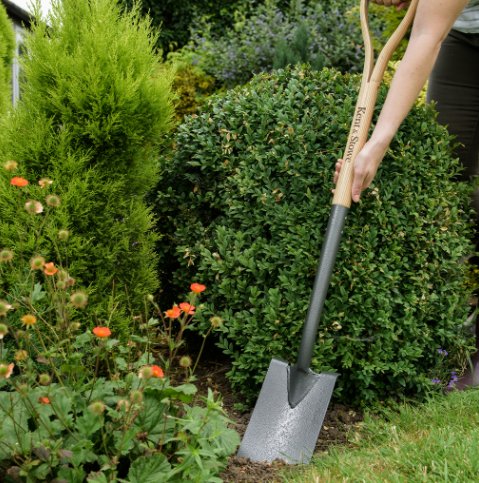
column 363, row 114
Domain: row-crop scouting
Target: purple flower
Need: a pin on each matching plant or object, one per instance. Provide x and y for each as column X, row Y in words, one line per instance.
column 453, row 373
column 135, row 243
column 440, row 351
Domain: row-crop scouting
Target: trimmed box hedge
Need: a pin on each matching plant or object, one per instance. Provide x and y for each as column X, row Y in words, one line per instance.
column 244, row 201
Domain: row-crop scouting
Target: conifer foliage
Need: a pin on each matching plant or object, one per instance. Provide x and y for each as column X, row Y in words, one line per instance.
column 7, row 44
column 94, row 108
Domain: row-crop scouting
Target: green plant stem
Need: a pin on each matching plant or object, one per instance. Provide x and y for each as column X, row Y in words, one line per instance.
column 63, row 422
column 201, row 350
column 96, row 374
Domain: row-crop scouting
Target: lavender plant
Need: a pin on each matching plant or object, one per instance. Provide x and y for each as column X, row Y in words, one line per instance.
column 250, row 46
column 79, row 405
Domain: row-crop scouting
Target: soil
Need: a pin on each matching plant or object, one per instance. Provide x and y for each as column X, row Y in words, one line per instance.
column 337, row 428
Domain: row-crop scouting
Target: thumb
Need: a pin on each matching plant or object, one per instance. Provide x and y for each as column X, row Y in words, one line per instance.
column 357, row 185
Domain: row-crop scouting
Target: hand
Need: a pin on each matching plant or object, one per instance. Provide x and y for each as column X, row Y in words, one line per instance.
column 399, row 4
column 365, row 167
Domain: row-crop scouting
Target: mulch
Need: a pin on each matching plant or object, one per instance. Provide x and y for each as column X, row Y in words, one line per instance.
column 337, row 428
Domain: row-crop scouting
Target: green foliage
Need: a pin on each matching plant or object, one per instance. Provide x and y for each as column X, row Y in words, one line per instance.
column 191, row 85
column 297, row 52
column 94, row 108
column 7, row 46
column 245, row 201
column 383, row 23
column 249, row 46
column 76, row 405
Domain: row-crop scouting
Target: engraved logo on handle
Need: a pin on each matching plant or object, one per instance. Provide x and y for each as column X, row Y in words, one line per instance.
column 357, row 122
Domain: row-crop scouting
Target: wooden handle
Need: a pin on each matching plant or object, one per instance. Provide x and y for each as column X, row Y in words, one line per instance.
column 363, row 114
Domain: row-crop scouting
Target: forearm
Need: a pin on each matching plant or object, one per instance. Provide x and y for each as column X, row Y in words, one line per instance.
column 410, row 77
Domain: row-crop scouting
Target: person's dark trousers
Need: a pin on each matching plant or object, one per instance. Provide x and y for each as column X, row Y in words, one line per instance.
column 454, row 87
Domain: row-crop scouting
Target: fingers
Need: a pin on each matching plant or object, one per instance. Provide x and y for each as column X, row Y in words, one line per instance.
column 403, row 5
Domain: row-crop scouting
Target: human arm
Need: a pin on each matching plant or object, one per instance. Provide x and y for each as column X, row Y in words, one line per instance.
column 433, row 21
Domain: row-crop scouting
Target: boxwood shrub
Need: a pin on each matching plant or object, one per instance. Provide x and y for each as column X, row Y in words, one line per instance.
column 245, row 201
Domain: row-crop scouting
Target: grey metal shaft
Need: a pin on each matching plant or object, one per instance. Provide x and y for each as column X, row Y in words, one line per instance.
column 332, row 239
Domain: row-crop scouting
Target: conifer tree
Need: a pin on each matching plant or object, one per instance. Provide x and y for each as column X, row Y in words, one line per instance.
column 7, row 45
column 94, row 108
column 297, row 52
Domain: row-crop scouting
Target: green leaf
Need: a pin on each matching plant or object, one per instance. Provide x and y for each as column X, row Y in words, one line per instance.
column 138, row 339
column 72, row 475
column 151, row 469
column 81, row 340
column 87, row 424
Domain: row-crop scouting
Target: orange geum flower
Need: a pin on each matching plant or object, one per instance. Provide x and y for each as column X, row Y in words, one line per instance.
column 6, row 371
column 43, row 400
column 18, row 181
column 37, row 263
column 187, row 308
column 29, row 319
column 102, row 332
column 196, row 287
column 157, row 371
column 173, row 313
column 45, row 182
column 33, row 207
column 21, row 355
column 10, row 165
column 50, row 268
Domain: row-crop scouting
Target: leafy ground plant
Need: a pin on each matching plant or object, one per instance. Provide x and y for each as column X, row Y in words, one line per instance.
column 433, row 442
column 81, row 406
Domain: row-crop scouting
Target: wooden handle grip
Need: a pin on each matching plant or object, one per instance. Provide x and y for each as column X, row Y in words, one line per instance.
column 363, row 114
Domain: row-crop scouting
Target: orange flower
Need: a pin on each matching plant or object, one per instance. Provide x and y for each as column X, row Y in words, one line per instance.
column 45, row 182
column 196, row 287
column 19, row 181
column 29, row 319
column 44, row 400
column 50, row 268
column 157, row 371
column 173, row 313
column 187, row 308
column 10, row 165
column 102, row 332
column 6, row 371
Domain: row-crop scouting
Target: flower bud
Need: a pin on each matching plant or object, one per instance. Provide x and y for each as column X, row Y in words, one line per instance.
column 53, row 200
column 136, row 396
column 23, row 388
column 4, row 306
column 63, row 234
column 61, row 285
column 62, row 275
column 10, row 165
column 185, row 361
column 216, row 321
column 150, row 298
column 45, row 379
column 79, row 299
column 37, row 263
column 70, row 281
column 5, row 255
column 145, row 372
column 3, row 331
column 20, row 334
column 97, row 407
column 123, row 405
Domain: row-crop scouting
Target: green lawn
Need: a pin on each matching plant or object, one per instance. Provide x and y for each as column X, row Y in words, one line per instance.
column 434, row 442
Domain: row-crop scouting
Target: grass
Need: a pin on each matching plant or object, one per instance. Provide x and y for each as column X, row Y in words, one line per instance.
column 434, row 442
